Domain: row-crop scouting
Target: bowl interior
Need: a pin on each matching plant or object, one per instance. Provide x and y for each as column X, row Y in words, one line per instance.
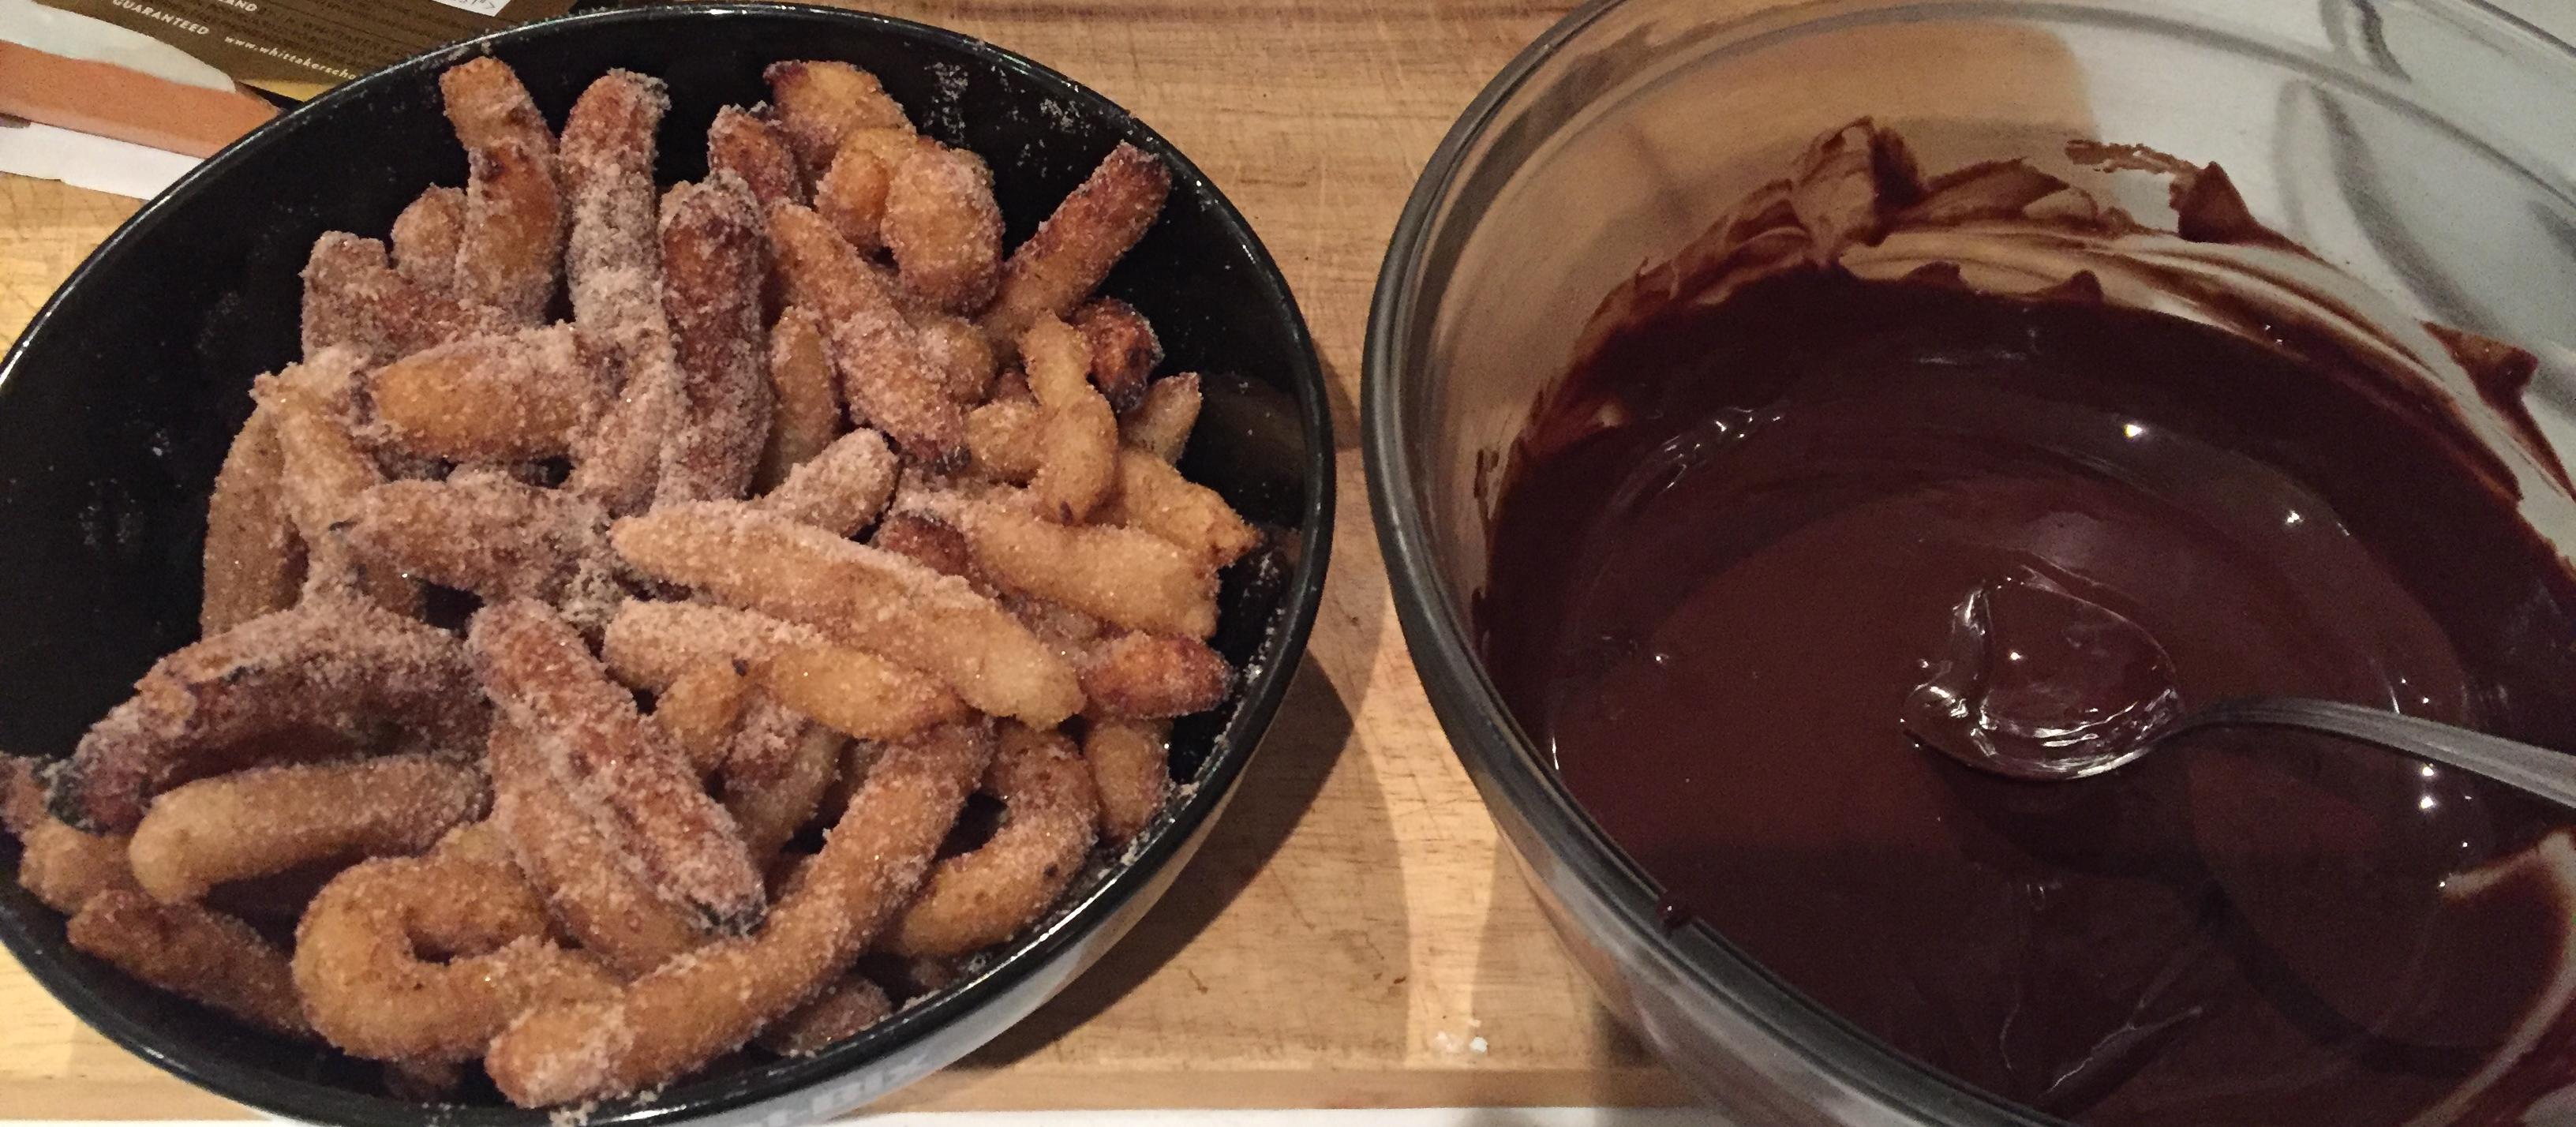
column 117, row 405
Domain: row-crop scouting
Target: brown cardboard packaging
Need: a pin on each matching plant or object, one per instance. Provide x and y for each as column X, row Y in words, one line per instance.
column 300, row 47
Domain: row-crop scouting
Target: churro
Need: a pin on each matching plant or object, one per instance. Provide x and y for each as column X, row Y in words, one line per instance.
column 254, row 560
column 821, row 103
column 612, row 266
column 487, row 534
column 651, row 645
column 426, row 237
column 364, row 956
column 590, row 891
column 844, row 1010
column 1124, row 349
column 270, row 820
column 623, row 773
column 842, row 488
column 713, row 264
column 329, row 667
column 980, row 898
column 194, row 952
column 701, row 709
column 511, row 240
column 1073, row 250
column 943, row 228
column 755, row 152
column 1131, row 766
column 808, row 415
column 696, row 1008
column 355, row 299
column 884, row 375
column 1077, row 432
column 863, row 597
column 1123, row 576
column 1161, row 424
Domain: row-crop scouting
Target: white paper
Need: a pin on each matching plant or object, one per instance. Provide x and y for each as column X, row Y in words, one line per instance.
column 75, row 36
column 86, row 160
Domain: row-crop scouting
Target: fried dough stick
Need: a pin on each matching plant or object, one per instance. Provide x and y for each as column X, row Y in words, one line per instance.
column 1153, row 496
column 1161, row 425
column 484, row 533
column 1123, row 673
column 269, row 820
column 254, row 562
column 754, row 150
column 57, row 864
column 842, row 1011
column 980, row 898
column 625, row 774
column 777, row 764
column 712, row 1001
column 964, row 358
column 843, row 488
column 702, row 709
column 857, row 693
column 1073, row 250
column 672, row 648
column 513, row 232
column 329, row 665
column 194, row 952
column 884, row 374
column 1077, row 432
column 502, row 398
column 588, row 886
column 1153, row 676
column 1126, row 673
column 915, row 535
column 851, row 194
column 323, row 472
column 427, row 236
column 354, row 299
column 613, row 264
column 859, row 596
column 943, row 227
column 713, row 264
column 1123, row 576
column 1007, row 442
column 1124, row 349
column 652, row 645
column 809, row 403
column 364, row 954
column 1131, row 764
column 821, row 103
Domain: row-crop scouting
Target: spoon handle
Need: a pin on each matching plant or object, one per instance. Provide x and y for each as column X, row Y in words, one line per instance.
column 2535, row 770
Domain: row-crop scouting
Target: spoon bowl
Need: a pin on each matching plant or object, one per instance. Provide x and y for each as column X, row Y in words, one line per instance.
column 2038, row 683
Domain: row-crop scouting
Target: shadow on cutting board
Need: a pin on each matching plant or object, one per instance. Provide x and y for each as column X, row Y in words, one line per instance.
column 1248, row 956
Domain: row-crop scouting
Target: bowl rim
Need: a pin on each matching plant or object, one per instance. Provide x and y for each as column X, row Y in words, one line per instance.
column 1505, row 763
column 1176, row 833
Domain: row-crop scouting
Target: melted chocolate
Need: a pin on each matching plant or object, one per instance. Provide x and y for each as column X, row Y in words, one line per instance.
column 1730, row 544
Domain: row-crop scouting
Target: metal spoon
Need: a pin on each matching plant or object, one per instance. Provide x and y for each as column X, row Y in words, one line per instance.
column 2041, row 684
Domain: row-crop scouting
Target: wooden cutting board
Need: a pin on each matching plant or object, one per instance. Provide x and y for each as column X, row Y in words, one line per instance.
column 1350, row 936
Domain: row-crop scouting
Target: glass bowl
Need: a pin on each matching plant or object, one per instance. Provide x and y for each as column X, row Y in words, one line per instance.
column 2424, row 146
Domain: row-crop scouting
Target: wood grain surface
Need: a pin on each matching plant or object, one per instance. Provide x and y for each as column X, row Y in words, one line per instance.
column 1350, row 936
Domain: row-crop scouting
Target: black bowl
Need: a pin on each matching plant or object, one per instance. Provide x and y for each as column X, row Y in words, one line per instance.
column 117, row 405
